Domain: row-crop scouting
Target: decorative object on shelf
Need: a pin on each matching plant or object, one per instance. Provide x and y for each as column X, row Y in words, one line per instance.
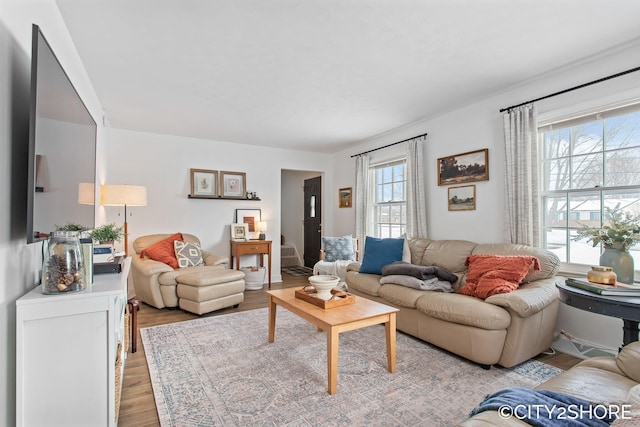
column 617, row 237
column 107, row 234
column 344, row 197
column 251, row 217
column 204, row 183
column 262, row 230
column 603, row 275
column 466, row 167
column 239, row 231
column 251, row 195
column 124, row 195
column 63, row 268
column 323, row 283
column 462, row 198
column 233, row 185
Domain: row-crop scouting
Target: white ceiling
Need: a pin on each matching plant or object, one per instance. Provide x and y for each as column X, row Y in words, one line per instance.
column 322, row 74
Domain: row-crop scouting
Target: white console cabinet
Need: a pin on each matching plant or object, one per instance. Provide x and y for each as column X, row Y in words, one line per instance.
column 70, row 354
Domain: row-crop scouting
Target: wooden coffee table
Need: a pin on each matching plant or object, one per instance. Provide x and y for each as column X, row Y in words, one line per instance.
column 361, row 314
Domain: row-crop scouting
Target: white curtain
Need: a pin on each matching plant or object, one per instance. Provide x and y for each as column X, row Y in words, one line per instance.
column 521, row 176
column 416, row 198
column 362, row 197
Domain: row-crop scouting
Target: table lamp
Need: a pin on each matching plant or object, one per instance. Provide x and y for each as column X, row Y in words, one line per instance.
column 124, row 195
column 262, row 229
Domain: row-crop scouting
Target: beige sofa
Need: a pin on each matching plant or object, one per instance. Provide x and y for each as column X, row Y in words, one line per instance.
column 504, row 329
column 599, row 380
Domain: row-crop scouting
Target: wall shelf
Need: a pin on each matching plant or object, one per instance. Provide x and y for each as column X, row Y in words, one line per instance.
column 224, row 198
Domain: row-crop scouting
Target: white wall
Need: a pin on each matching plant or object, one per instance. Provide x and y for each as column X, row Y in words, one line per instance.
column 162, row 163
column 479, row 126
column 19, row 262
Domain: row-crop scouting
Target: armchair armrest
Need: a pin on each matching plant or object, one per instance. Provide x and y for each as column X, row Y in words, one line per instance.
column 354, row 266
column 530, row 298
column 210, row 258
column 148, row 267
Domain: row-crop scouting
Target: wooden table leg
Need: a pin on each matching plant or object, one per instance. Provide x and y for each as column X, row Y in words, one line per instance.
column 390, row 328
column 333, row 338
column 272, row 319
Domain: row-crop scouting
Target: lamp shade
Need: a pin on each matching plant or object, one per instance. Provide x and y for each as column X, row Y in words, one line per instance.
column 86, row 193
column 261, row 226
column 123, row 195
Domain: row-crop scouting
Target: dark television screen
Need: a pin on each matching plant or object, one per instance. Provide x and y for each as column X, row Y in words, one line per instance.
column 62, row 148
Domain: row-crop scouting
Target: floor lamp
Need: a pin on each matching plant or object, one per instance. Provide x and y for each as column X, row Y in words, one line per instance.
column 124, row 195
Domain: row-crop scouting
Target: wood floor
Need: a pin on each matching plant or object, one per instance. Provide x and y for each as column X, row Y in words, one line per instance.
column 137, row 406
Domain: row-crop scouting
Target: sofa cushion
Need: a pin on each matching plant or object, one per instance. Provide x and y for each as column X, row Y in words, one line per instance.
column 164, row 250
column 448, row 254
column 464, row 310
column 188, row 254
column 495, row 274
column 169, row 278
column 368, row 284
column 433, row 284
column 628, row 360
column 380, row 252
column 401, row 296
column 338, row 249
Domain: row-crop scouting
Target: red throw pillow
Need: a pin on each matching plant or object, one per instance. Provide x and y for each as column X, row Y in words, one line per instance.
column 496, row 274
column 164, row 250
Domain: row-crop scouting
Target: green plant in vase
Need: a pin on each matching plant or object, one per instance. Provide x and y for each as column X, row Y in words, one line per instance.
column 617, row 237
column 71, row 226
column 107, row 233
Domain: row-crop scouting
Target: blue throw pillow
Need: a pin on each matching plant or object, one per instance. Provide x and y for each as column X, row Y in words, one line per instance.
column 380, row 252
column 338, row 248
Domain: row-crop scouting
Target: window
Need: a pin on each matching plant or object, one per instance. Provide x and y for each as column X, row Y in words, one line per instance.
column 389, row 217
column 589, row 164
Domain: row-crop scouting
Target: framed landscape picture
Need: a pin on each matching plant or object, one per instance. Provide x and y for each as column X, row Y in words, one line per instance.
column 466, row 167
column 462, row 198
column 204, row 183
column 344, row 197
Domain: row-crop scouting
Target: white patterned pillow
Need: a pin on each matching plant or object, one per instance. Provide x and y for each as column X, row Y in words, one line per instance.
column 188, row 254
column 338, row 249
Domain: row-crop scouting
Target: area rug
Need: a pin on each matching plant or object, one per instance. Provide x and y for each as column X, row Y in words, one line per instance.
column 221, row 371
column 299, row 270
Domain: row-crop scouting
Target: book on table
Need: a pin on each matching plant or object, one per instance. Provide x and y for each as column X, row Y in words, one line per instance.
column 619, row 289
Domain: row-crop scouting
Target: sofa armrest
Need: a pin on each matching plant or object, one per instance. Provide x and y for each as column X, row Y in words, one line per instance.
column 148, row 267
column 529, row 298
column 354, row 266
column 210, row 258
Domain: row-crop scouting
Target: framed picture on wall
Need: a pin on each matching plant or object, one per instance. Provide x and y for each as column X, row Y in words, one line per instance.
column 344, row 197
column 233, row 185
column 462, row 198
column 204, row 183
column 251, row 217
column 466, row 167
column 239, row 231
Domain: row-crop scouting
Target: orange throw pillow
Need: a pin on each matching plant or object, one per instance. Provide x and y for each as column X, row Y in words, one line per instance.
column 164, row 250
column 496, row 274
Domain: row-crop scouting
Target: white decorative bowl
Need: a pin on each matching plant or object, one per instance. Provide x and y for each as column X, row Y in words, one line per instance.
column 323, row 284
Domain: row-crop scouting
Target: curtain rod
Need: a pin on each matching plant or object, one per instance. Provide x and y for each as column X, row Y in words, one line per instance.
column 389, row 145
column 632, row 70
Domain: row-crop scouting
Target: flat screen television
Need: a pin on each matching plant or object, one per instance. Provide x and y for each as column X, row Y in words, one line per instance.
column 62, row 148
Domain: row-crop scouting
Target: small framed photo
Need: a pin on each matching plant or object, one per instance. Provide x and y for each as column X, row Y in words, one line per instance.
column 466, row 167
column 462, row 198
column 344, row 197
column 251, row 217
column 204, row 183
column 239, row 231
column 233, row 185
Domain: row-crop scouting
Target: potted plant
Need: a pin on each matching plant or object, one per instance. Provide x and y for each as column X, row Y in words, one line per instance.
column 622, row 232
column 71, row 226
column 107, row 233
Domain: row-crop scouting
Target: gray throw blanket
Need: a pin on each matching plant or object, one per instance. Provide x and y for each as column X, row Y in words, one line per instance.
column 421, row 272
column 545, row 408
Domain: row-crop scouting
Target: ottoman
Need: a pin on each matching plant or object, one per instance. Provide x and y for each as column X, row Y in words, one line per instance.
column 205, row 291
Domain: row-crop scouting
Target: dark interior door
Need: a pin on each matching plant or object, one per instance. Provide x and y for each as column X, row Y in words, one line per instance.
column 312, row 220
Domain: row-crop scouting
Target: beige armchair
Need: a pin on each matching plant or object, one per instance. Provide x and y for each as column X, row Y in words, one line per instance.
column 155, row 282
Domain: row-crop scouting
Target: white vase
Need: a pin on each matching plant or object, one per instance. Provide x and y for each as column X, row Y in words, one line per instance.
column 323, row 284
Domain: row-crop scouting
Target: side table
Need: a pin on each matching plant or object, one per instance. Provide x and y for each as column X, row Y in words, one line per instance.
column 625, row 308
column 249, row 247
